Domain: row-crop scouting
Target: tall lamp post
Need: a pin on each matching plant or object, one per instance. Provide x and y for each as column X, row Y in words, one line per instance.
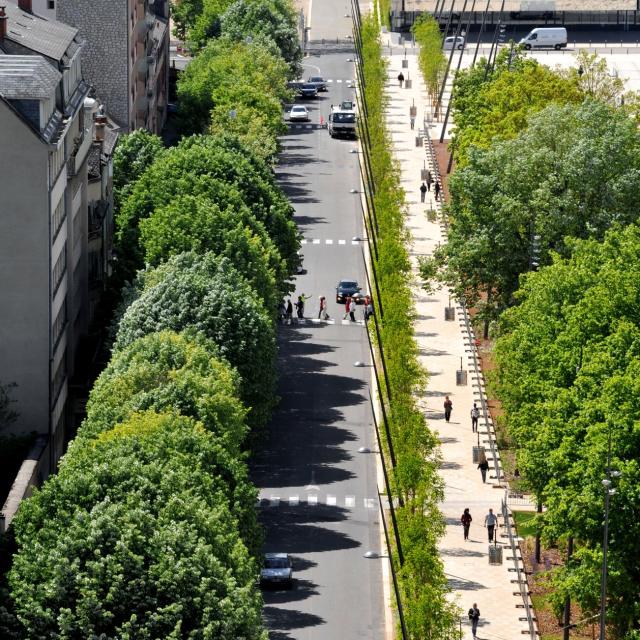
column 608, row 492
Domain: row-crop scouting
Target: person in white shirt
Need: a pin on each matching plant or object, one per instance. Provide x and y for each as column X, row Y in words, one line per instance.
column 490, row 522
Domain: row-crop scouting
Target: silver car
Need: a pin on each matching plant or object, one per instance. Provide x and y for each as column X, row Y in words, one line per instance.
column 277, row 571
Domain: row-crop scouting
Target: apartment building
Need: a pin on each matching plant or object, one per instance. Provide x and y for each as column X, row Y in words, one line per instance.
column 47, row 139
column 125, row 56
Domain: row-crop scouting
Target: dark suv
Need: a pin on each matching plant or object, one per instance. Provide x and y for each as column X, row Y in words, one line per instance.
column 319, row 82
column 346, row 289
column 308, row 90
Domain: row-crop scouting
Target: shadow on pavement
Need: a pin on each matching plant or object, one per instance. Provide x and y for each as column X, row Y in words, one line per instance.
column 288, row 619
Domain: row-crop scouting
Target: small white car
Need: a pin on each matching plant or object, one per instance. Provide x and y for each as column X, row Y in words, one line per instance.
column 299, row 113
column 277, row 571
column 453, row 42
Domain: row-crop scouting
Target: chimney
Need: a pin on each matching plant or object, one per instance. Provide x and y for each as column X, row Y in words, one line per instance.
column 25, row 5
column 100, row 122
column 3, row 23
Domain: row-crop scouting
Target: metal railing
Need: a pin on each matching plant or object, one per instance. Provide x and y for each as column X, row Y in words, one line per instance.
column 522, row 578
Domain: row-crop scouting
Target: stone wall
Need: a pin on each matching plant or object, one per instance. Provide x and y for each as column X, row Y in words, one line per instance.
column 103, row 25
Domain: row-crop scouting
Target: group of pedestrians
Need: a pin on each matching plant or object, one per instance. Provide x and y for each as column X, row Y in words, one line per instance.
column 426, row 186
column 490, row 522
column 285, row 309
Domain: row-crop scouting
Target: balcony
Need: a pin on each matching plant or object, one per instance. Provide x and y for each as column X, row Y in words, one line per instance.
column 81, row 146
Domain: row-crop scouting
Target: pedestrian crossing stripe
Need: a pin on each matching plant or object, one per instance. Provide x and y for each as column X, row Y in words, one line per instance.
column 343, row 321
column 329, row 241
column 314, row 499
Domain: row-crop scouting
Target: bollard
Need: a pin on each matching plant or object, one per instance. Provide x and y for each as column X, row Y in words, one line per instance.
column 405, row 63
column 479, row 454
column 461, row 378
column 495, row 554
column 449, row 313
column 407, row 84
column 418, row 141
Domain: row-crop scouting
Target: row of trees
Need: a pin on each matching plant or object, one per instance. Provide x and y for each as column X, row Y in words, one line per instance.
column 543, row 239
column 416, row 485
column 149, row 530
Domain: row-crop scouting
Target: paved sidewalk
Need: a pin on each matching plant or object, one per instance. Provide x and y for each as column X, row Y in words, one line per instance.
column 442, row 346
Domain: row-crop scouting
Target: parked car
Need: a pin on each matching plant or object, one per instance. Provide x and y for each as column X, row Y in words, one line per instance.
column 308, row 90
column 348, row 288
column 299, row 113
column 277, row 571
column 453, row 42
column 319, row 82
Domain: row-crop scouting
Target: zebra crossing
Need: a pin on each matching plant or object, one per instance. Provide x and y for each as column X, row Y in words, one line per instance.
column 342, row 321
column 329, row 241
column 315, row 499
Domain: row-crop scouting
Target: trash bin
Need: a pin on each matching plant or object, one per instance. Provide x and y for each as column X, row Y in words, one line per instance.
column 495, row 554
column 461, row 378
column 405, row 64
column 418, row 141
column 479, row 455
column 407, row 84
column 449, row 313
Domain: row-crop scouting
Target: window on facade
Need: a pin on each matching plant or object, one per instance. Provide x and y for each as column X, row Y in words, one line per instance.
column 59, row 324
column 51, row 4
column 59, row 269
column 59, row 216
column 56, row 162
column 58, row 381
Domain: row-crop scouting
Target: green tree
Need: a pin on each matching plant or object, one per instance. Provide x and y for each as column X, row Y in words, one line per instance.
column 206, row 25
column 194, row 223
column 184, row 14
column 220, row 169
column 493, row 105
column 168, row 371
column 568, row 361
column 571, row 173
column 233, row 76
column 206, row 294
column 273, row 20
column 133, row 154
column 136, row 538
column 431, row 57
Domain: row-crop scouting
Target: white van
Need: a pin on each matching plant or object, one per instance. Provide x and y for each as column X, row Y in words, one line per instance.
column 555, row 37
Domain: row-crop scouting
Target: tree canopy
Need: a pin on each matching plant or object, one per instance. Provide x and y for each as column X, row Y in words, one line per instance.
column 568, row 378
column 266, row 20
column 571, row 173
column 206, row 294
column 220, row 169
column 496, row 104
column 194, row 223
column 135, row 537
column 166, row 372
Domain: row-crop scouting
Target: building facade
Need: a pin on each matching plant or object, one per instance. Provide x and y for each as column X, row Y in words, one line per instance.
column 47, row 137
column 125, row 57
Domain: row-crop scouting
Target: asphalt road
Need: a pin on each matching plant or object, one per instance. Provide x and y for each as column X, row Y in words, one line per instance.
column 318, row 493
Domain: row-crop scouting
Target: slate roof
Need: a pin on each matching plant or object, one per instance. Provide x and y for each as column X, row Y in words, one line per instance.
column 47, row 37
column 27, row 78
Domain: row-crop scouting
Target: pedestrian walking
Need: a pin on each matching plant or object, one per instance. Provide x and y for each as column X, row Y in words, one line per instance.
column 436, row 189
column 300, row 305
column 289, row 312
column 412, row 121
column 484, row 467
column 347, row 304
column 466, row 523
column 448, row 406
column 282, row 312
column 429, row 180
column 400, row 79
column 423, row 191
column 322, row 313
column 490, row 522
column 352, row 310
column 474, row 616
column 475, row 414
column 368, row 308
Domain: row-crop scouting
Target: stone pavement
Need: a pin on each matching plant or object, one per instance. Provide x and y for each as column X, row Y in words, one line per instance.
column 442, row 345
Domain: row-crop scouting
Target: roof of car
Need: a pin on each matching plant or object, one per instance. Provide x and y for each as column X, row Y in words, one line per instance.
column 276, row 555
column 299, row 107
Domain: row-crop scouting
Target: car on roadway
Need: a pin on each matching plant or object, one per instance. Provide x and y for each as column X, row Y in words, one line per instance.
column 299, row 113
column 277, row 571
column 319, row 82
column 308, row 90
column 453, row 42
column 349, row 289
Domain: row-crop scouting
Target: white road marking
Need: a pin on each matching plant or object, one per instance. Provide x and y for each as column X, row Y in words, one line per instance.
column 294, row 501
column 274, row 501
column 342, row 242
column 303, row 241
column 369, row 503
column 350, row 502
column 312, row 500
column 328, row 241
column 331, row 500
column 316, row 241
